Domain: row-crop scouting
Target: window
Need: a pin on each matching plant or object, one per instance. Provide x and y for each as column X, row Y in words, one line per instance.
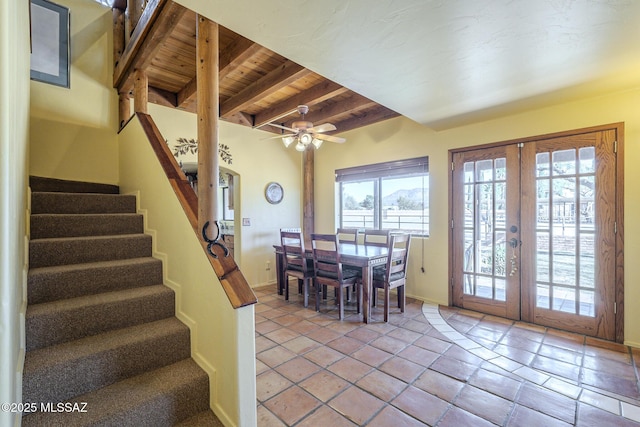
column 391, row 195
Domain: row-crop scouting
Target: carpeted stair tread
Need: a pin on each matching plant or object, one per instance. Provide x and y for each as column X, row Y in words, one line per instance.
column 203, row 419
column 100, row 325
column 81, row 203
column 75, row 225
column 78, row 203
column 76, row 250
column 163, row 397
column 60, row 321
column 74, row 280
column 39, row 183
column 63, row 371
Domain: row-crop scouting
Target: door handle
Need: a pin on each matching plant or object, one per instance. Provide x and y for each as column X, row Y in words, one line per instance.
column 513, row 242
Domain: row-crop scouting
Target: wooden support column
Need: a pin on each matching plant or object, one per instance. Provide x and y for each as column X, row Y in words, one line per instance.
column 140, row 92
column 124, row 109
column 208, row 107
column 308, row 207
column 118, row 33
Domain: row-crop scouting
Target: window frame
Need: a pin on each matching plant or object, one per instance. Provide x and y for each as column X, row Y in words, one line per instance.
column 377, row 173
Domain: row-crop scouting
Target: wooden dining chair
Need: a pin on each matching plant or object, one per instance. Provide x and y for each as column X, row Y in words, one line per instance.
column 394, row 275
column 295, row 264
column 376, row 237
column 328, row 270
column 348, row 235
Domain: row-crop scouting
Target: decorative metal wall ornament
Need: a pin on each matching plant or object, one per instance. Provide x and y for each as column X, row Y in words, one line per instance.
column 185, row 146
column 215, row 241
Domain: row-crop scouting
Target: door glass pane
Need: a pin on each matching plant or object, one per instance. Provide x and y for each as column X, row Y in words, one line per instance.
column 542, row 165
column 542, row 296
column 587, row 160
column 587, row 202
column 543, row 204
column 586, row 266
column 469, row 284
column 564, row 299
column 501, row 169
column 542, row 257
column 500, row 205
column 484, row 287
column 469, row 172
column 468, row 265
column 469, row 205
column 563, row 261
column 484, row 170
column 564, row 162
column 587, row 303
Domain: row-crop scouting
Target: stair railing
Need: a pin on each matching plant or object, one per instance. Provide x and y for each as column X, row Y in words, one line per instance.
column 233, row 281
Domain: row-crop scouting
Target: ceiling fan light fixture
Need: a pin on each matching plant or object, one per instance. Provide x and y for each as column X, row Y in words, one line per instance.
column 300, row 146
column 316, row 142
column 306, row 139
column 287, row 141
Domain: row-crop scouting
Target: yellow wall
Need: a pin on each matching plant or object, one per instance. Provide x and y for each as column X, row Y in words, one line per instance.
column 257, row 162
column 200, row 300
column 14, row 132
column 73, row 137
column 401, row 138
column 73, row 131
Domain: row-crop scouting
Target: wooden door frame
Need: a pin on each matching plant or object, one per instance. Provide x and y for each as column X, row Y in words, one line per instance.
column 619, row 213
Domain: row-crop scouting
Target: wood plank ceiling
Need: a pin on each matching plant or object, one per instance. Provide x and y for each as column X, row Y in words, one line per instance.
column 257, row 86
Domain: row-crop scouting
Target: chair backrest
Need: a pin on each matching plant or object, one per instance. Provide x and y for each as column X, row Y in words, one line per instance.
column 398, row 256
column 326, row 256
column 293, row 249
column 376, row 237
column 348, row 235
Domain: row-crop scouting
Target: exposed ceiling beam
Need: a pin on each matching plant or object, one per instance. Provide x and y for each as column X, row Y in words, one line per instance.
column 235, row 54
column 329, row 113
column 162, row 97
column 230, row 59
column 312, row 96
column 135, row 57
column 282, row 76
column 188, row 91
column 366, row 119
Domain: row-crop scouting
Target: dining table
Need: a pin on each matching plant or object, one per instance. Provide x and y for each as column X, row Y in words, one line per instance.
column 365, row 257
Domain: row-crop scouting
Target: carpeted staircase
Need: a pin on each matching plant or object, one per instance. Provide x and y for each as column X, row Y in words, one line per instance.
column 100, row 325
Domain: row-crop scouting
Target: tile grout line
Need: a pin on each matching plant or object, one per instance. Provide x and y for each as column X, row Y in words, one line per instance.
column 624, row 409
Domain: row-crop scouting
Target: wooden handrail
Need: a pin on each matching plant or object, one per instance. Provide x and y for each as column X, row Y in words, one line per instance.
column 233, row 281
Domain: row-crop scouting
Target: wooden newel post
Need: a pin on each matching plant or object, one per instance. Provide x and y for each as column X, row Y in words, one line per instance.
column 208, row 107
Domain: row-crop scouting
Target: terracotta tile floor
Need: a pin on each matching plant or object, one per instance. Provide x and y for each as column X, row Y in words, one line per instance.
column 433, row 366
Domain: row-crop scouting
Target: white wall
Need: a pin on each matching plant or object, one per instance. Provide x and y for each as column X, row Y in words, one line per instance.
column 401, row 138
column 14, row 133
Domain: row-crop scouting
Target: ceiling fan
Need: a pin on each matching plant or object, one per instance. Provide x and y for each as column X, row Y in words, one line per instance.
column 305, row 133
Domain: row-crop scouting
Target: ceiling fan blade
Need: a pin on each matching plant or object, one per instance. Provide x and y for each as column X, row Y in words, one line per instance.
column 280, row 136
column 325, row 127
column 281, row 127
column 329, row 138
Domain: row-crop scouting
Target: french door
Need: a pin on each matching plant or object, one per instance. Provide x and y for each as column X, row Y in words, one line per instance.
column 534, row 231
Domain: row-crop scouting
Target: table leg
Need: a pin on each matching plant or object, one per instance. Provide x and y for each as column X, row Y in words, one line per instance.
column 366, row 292
column 279, row 273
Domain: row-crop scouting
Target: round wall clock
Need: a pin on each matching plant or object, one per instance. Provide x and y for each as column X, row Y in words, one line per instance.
column 273, row 193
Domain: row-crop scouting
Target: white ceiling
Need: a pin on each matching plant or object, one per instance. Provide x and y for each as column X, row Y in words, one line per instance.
column 444, row 63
